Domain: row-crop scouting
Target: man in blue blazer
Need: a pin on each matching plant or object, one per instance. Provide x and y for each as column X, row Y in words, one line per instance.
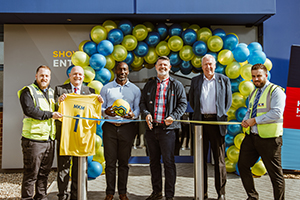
column 210, row 97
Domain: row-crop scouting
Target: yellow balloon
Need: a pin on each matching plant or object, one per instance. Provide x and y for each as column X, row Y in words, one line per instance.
column 203, row 34
column 238, row 139
column 231, row 112
column 96, row 85
column 268, row 64
column 162, row 48
column 119, row 53
column 140, row 32
column 129, row 42
column 243, row 63
column 109, row 25
column 103, row 167
column 80, row 58
column 195, row 27
column 230, row 166
column 246, row 87
column 98, row 33
column 231, row 118
column 67, row 81
column 98, row 142
column 99, row 156
column 151, row 56
column 150, row 27
column 110, row 62
column 80, row 47
column 137, row 62
column 89, row 74
column 215, row 43
column 112, row 77
column 149, row 66
column 259, row 168
column 186, row 53
column 225, row 57
column 233, row 153
column 137, row 68
column 238, row 100
column 185, row 26
column 196, row 61
column 246, row 72
column 175, row 43
column 232, row 70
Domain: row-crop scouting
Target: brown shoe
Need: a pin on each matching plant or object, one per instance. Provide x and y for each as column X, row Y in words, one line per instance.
column 123, row 197
column 109, row 197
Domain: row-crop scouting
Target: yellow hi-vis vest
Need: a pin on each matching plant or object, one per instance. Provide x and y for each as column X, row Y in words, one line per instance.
column 270, row 130
column 39, row 129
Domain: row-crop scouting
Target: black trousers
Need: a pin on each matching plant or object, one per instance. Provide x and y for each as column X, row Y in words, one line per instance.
column 117, row 141
column 37, row 159
column 269, row 149
column 211, row 134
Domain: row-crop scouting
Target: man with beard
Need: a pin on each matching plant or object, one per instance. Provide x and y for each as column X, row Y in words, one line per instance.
column 118, row 137
column 38, row 134
column 163, row 100
column 264, row 127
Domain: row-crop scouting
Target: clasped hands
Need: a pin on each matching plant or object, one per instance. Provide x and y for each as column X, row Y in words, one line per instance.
column 110, row 112
column 248, row 122
column 168, row 121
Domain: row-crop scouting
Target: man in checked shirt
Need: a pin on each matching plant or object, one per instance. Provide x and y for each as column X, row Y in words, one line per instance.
column 163, row 100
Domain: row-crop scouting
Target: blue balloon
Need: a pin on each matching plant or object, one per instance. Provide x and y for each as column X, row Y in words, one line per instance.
column 115, row 36
column 174, row 58
column 269, row 75
column 229, row 140
column 69, row 70
column 175, row 68
column 243, row 45
column 230, row 42
column 189, row 36
column 125, row 26
column 257, row 57
column 254, row 46
column 234, row 129
column 247, row 102
column 90, row 48
column 105, row 47
column 186, row 67
column 241, row 53
column 103, row 75
column 141, row 49
column 199, row 48
column 235, row 85
column 99, row 130
column 97, row 61
column 89, row 160
column 219, row 32
column 220, row 68
column 130, row 58
column 162, row 29
column 240, row 113
column 175, row 29
column 152, row 39
column 94, row 169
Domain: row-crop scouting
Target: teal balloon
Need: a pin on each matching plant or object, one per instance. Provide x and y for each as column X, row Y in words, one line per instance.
column 189, row 36
column 90, row 48
column 219, row 32
column 235, row 85
column 125, row 26
column 174, row 58
column 105, row 47
column 94, row 169
column 175, row 29
column 241, row 53
column 229, row 140
column 141, row 49
column 199, row 48
column 254, row 46
column 257, row 57
column 129, row 59
column 152, row 39
column 220, row 68
column 215, row 55
column 97, row 61
column 240, row 113
column 103, row 76
column 234, row 129
column 186, row 67
column 89, row 159
column 69, row 70
column 162, row 30
column 230, row 42
column 115, row 36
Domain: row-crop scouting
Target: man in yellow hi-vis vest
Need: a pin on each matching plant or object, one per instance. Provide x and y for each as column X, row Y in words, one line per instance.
column 264, row 126
column 38, row 134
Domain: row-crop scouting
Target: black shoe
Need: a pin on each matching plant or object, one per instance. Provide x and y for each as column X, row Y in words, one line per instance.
column 169, row 198
column 155, row 195
column 222, row 197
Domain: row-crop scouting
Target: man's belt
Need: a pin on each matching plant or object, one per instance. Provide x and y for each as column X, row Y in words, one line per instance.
column 155, row 124
column 209, row 116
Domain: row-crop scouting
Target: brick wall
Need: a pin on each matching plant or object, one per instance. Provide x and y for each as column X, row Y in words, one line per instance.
column 1, row 128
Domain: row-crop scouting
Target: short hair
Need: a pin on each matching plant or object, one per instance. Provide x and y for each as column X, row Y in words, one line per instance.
column 163, row 58
column 208, row 56
column 42, row 66
column 259, row 66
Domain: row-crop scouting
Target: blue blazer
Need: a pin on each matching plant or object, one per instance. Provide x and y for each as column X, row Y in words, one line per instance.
column 223, row 98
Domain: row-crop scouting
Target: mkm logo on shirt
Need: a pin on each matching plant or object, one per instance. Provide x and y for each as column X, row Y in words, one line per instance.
column 79, row 107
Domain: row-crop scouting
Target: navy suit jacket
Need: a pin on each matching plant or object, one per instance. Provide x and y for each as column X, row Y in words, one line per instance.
column 223, row 98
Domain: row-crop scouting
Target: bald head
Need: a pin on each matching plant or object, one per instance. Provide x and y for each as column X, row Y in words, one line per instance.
column 76, row 76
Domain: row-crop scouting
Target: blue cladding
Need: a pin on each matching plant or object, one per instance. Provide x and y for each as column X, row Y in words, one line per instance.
column 290, row 149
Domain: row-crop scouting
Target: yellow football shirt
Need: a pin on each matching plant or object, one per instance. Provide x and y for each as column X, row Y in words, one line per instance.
column 78, row 135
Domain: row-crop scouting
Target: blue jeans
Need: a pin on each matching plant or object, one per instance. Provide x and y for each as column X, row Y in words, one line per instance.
column 161, row 142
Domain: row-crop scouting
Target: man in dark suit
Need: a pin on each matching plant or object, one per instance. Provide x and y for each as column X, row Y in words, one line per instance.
column 210, row 97
column 63, row 162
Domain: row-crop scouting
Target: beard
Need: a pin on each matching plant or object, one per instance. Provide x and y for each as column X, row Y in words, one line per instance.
column 162, row 73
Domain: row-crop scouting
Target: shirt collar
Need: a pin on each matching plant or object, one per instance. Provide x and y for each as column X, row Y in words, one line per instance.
column 118, row 85
column 78, row 87
column 213, row 78
column 162, row 80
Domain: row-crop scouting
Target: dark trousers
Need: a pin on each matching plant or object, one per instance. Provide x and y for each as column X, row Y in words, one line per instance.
column 185, row 133
column 162, row 143
column 63, row 175
column 37, row 159
column 269, row 149
column 211, row 134
column 117, row 141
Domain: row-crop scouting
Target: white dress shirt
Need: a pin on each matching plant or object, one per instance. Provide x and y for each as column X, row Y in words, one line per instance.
column 208, row 96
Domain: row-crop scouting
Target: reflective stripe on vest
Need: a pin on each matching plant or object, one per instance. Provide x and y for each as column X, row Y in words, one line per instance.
column 273, row 129
column 39, row 129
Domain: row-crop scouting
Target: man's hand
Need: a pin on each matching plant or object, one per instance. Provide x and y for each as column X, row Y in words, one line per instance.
column 251, row 121
column 129, row 115
column 100, row 99
column 110, row 112
column 62, row 98
column 149, row 121
column 169, row 121
column 244, row 124
column 56, row 115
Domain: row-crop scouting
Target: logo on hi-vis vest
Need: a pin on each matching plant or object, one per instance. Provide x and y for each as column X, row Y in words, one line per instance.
column 79, row 107
column 260, row 104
